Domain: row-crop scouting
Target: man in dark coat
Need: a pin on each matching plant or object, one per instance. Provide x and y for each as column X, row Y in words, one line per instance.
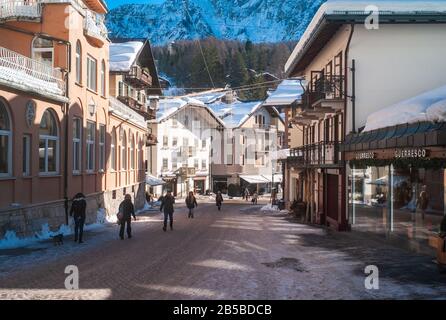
column 219, row 200
column 167, row 205
column 78, row 208
column 128, row 210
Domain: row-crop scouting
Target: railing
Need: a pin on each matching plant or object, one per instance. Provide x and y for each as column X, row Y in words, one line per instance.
column 94, row 25
column 139, row 77
column 329, row 87
column 308, row 98
column 321, row 153
column 31, row 72
column 16, row 9
column 126, row 112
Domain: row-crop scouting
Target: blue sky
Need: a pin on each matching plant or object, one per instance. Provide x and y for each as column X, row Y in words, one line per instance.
column 115, row 3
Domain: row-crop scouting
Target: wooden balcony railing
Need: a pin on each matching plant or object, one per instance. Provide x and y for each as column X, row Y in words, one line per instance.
column 138, row 77
column 317, row 154
column 329, row 87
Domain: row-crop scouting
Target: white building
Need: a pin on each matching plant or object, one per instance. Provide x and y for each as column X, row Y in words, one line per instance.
column 185, row 129
column 253, row 134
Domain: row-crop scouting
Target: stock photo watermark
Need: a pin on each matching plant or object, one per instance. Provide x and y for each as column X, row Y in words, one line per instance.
column 371, row 281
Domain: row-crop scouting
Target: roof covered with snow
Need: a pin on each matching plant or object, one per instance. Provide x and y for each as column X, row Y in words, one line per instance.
column 209, row 96
column 286, row 93
column 170, row 106
column 123, row 54
column 355, row 7
column 235, row 114
column 429, row 106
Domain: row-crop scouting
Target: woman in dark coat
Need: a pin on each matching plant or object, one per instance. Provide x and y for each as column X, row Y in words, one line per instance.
column 127, row 210
column 218, row 200
column 78, row 208
column 167, row 205
column 191, row 203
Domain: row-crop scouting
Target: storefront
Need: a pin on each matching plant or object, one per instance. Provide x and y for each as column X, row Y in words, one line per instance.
column 396, row 181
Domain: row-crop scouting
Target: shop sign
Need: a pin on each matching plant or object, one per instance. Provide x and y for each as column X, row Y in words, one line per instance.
column 411, row 153
column 365, row 155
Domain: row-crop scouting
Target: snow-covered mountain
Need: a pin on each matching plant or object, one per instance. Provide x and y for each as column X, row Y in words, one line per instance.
column 256, row 20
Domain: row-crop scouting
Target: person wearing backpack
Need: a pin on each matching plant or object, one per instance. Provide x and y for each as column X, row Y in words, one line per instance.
column 191, row 203
column 126, row 211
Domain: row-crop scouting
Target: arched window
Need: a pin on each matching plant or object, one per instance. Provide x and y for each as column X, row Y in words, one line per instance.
column 5, row 142
column 103, row 78
column 113, row 150
column 124, row 152
column 132, row 153
column 43, row 51
column 48, row 144
column 78, row 62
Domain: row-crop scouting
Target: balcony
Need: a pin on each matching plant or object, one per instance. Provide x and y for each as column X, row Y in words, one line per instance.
column 95, row 29
column 26, row 74
column 151, row 140
column 138, row 77
column 16, row 10
column 131, row 102
column 329, row 92
column 321, row 154
column 121, row 110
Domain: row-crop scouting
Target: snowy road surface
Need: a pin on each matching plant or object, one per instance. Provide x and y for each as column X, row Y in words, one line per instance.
column 238, row 253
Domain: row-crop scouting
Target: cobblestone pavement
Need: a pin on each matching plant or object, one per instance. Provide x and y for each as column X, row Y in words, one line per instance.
column 238, row 253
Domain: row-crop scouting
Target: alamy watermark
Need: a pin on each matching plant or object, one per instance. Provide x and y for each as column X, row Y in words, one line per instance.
column 371, row 281
column 72, row 280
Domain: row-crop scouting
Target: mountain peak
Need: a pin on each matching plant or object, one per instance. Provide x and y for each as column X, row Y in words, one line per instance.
column 255, row 20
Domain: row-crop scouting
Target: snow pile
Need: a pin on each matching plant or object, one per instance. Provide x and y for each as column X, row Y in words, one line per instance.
column 269, row 207
column 122, row 55
column 286, row 93
column 11, row 241
column 429, row 106
column 234, row 114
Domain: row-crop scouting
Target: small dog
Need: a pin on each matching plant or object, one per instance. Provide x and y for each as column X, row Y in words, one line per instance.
column 58, row 239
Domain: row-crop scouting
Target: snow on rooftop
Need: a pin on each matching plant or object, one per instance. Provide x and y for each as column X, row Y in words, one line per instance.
column 122, row 55
column 286, row 93
column 336, row 6
column 209, row 97
column 234, row 114
column 429, row 106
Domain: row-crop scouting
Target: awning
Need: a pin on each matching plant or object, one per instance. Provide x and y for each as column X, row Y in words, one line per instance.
column 254, row 178
column 153, row 181
column 277, row 177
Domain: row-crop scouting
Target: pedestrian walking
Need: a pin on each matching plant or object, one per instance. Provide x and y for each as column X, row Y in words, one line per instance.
column 78, row 209
column 126, row 211
column 246, row 194
column 191, row 203
column 167, row 205
column 219, row 200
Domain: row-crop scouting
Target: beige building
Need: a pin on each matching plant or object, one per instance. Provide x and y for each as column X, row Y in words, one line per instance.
column 353, row 67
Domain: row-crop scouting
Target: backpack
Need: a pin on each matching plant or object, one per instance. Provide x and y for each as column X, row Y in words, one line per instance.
column 120, row 214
